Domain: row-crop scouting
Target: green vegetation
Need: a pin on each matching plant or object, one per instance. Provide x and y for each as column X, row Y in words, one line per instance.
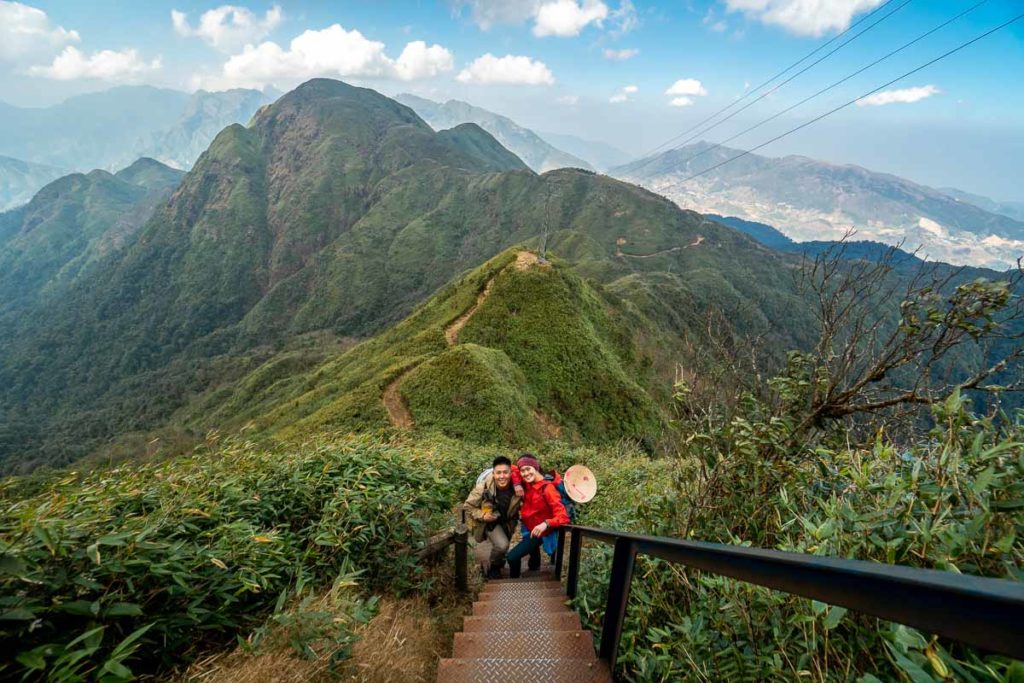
column 473, row 393
column 142, row 567
column 70, row 225
column 951, row 501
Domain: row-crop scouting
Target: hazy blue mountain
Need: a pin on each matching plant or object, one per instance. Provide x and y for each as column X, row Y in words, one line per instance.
column 855, row 249
column 523, row 142
column 98, row 130
column 1014, row 210
column 814, row 200
column 19, row 180
column 111, row 129
column 205, row 114
column 602, row 155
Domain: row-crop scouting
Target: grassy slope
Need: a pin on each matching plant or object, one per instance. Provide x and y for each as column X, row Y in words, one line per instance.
column 541, row 340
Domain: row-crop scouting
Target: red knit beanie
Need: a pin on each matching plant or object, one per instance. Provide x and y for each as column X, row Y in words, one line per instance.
column 528, row 459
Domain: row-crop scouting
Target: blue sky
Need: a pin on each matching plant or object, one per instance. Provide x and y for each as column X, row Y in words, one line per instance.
column 602, row 69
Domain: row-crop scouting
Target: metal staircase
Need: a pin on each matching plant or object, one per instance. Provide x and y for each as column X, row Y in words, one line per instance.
column 522, row 631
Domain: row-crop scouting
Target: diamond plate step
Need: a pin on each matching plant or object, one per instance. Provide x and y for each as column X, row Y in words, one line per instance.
column 524, row 590
column 545, row 574
column 550, row 598
column 546, row 596
column 518, row 607
column 534, row 621
column 509, row 644
column 522, row 671
column 526, row 587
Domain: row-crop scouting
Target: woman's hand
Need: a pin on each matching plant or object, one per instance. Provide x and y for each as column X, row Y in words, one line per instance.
column 491, row 517
column 519, row 490
column 539, row 530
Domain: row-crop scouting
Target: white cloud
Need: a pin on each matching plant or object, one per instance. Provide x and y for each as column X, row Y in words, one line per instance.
column 489, row 13
column 566, row 18
column 510, row 69
column 681, row 102
column 713, row 22
column 903, row 96
column 624, row 19
column 228, row 27
column 623, row 95
column 26, row 33
column 332, row 51
column 803, row 17
column 621, row 55
column 686, row 86
column 568, row 100
column 107, row 65
column 419, row 61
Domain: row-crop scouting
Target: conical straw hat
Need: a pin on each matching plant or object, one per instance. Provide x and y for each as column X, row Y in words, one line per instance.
column 580, row 483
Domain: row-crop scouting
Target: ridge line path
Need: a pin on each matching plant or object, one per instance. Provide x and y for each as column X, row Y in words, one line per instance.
column 695, row 243
column 398, row 411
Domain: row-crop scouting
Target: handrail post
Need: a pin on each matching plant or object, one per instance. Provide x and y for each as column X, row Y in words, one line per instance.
column 575, row 545
column 461, row 554
column 618, row 598
column 559, row 551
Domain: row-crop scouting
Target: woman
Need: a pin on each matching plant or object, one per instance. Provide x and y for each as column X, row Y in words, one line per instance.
column 542, row 512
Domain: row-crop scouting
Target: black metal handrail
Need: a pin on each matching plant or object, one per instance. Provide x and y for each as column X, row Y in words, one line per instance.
column 986, row 613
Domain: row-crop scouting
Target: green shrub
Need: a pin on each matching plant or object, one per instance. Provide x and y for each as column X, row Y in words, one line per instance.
column 137, row 568
column 951, row 500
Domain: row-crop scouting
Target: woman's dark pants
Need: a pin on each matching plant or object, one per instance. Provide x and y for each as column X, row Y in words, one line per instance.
column 528, row 546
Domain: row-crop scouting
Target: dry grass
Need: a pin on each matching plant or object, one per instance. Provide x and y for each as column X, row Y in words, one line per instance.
column 400, row 644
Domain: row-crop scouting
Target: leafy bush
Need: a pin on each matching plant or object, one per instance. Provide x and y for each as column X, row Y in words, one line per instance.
column 137, row 568
column 952, row 501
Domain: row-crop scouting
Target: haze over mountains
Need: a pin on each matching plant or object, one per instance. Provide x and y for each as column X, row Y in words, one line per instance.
column 110, row 130
column 538, row 154
column 19, row 180
column 812, row 200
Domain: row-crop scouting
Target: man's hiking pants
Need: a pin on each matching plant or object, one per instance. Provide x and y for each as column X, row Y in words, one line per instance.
column 499, row 545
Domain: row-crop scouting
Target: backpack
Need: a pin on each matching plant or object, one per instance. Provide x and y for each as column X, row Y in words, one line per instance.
column 569, row 503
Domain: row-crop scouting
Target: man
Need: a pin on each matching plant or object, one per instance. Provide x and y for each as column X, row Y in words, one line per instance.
column 493, row 508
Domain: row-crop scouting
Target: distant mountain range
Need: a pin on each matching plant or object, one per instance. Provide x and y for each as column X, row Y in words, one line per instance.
column 1014, row 210
column 538, row 154
column 600, row 154
column 110, row 130
column 812, row 200
column 19, row 180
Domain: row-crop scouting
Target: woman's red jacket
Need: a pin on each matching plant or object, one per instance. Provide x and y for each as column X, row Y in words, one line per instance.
column 543, row 503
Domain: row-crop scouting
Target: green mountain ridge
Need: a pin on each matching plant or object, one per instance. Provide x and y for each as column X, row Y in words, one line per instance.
column 511, row 352
column 71, row 224
column 332, row 216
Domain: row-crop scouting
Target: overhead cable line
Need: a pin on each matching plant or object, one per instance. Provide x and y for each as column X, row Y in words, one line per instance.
column 802, row 71
column 751, row 91
column 837, row 83
column 847, row 104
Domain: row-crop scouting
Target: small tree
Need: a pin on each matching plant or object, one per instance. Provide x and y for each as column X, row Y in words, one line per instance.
column 870, row 359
